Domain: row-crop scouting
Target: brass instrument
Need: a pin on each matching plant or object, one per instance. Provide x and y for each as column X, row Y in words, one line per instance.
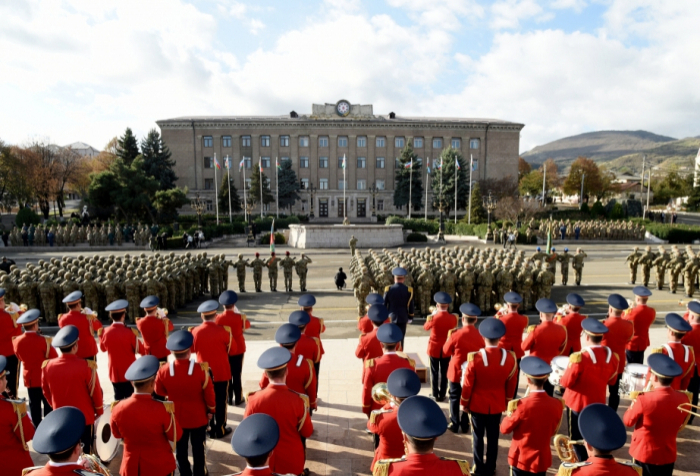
column 381, row 395
column 565, row 448
column 688, row 408
column 93, row 463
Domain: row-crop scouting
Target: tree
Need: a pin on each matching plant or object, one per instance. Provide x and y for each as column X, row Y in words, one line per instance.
column 448, row 159
column 531, row 183
column 70, row 169
column 408, row 178
column 9, row 171
column 127, row 147
column 478, row 212
column 607, row 184
column 524, row 168
column 167, row 202
column 553, row 178
column 287, row 185
column 156, row 160
column 671, row 186
column 223, row 196
column 592, row 182
column 40, row 160
column 499, row 188
column 254, row 190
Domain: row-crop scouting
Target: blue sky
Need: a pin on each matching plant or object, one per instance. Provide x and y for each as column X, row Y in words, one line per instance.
column 80, row 70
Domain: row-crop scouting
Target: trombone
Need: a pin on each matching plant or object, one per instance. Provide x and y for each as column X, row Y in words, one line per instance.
column 688, row 408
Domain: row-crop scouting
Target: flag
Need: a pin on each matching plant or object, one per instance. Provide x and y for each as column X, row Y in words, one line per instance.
column 279, row 167
column 261, row 170
column 438, row 165
column 409, row 164
column 216, row 162
column 459, row 167
column 343, row 166
column 240, row 166
column 272, row 238
column 227, row 162
column 475, row 165
column 427, row 163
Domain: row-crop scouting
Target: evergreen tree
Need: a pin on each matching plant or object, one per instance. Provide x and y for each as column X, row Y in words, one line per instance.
column 288, row 185
column 127, row 147
column 223, row 196
column 156, row 160
column 448, row 159
column 254, row 190
column 404, row 181
column 478, row 212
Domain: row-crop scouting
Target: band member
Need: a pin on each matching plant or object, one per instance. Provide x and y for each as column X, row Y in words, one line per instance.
column 364, row 323
column 9, row 329
column 692, row 339
column 309, row 347
column 369, row 346
column 238, row 323
column 439, row 324
column 533, row 420
column 621, row 332
column 154, row 329
column 314, row 328
column 301, row 376
column 187, row 384
column 59, row 436
column 148, row 426
column 546, row 340
column 213, row 345
column 33, row 349
column 604, row 433
column 378, row 370
column 401, row 384
column 586, row 377
column 572, row 321
column 69, row 381
column 488, row 384
column 121, row 344
column 398, row 299
column 421, row 421
column 254, row 440
column 684, row 355
column 87, row 325
column 656, row 418
column 460, row 343
column 289, row 409
column 642, row 316
column 16, row 429
column 515, row 326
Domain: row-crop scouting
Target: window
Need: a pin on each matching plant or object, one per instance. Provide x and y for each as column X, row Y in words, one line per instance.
column 380, row 185
column 380, row 162
column 226, row 141
column 264, row 141
column 247, row 183
column 208, row 141
column 323, row 184
column 303, row 162
column 456, row 143
column 323, row 162
column 210, row 206
column 342, row 141
column 341, row 184
column 303, row 141
column 305, row 184
column 323, row 141
column 266, row 162
column 381, row 141
column 361, row 163
column 284, row 141
column 380, row 205
column 245, row 141
column 362, row 141
column 248, row 162
column 474, row 144
column 340, row 163
column 437, row 143
column 399, row 142
column 362, row 184
column 417, row 142
column 208, row 162
column 208, row 184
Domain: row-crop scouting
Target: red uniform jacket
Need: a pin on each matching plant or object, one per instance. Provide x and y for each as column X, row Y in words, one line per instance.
column 656, row 421
column 684, row 355
column 148, row 428
column 301, row 378
column 692, row 339
column 599, row 466
column 264, row 471
column 309, row 347
column 121, row 344
column 619, row 334
column 460, row 343
column 70, row 381
column 32, row 350
column 238, row 324
column 587, row 376
column 420, row 465
column 377, row 371
column 290, row 411
column 489, row 380
column 8, row 330
column 369, row 347
column 515, row 326
column 383, row 422
column 365, row 326
column 187, row 384
column 546, row 341
column 439, row 326
column 48, row 470
column 642, row 316
column 212, row 344
column 87, row 326
column 16, row 429
column 155, row 332
column 314, row 329
column 534, row 420
column 572, row 321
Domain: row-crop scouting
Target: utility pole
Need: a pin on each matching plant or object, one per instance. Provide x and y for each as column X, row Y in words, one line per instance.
column 648, row 190
column 583, row 177
column 544, row 181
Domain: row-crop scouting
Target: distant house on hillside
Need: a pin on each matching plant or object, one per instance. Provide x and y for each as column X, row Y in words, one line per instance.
column 627, row 179
column 83, row 149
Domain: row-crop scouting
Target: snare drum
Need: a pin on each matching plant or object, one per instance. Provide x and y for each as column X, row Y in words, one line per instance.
column 559, row 365
column 633, row 378
column 106, row 445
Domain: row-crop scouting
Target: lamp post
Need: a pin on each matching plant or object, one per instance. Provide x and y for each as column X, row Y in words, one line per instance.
column 312, row 189
column 490, row 205
column 440, row 204
column 373, row 191
column 198, row 205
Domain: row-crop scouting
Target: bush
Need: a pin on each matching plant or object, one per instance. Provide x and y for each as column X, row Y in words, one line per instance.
column 27, row 215
column 279, row 239
column 616, row 212
column 598, row 210
column 416, row 237
column 432, row 227
column 280, row 224
column 585, row 208
column 675, row 233
column 175, row 243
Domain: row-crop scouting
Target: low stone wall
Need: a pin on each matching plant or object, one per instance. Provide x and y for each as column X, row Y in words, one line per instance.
column 338, row 236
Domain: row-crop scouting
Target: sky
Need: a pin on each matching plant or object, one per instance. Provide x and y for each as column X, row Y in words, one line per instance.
column 84, row 70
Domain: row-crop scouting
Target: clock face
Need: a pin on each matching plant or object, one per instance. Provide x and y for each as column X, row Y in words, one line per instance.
column 342, row 108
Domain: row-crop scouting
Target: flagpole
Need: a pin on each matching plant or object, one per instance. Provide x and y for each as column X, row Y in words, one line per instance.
column 261, row 185
column 228, row 177
column 471, row 167
column 410, row 187
column 345, row 187
column 216, row 190
column 456, row 168
column 427, row 179
column 245, row 193
column 277, row 181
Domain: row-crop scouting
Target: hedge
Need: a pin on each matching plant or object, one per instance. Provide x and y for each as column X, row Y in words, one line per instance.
column 279, row 239
column 431, row 227
column 416, row 237
column 27, row 216
column 674, row 234
column 280, row 223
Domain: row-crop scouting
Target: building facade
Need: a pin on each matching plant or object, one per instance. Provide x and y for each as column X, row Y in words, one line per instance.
column 316, row 145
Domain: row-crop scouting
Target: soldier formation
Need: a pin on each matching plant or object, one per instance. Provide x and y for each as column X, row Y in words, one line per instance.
column 678, row 264
column 72, row 235
column 288, row 264
column 618, row 230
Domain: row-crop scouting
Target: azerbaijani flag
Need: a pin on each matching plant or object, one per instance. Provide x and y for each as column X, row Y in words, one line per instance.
column 427, row 163
column 240, row 166
column 279, row 167
column 409, row 164
column 343, row 161
column 227, row 162
column 216, row 162
column 272, row 238
column 438, row 165
column 261, row 170
column 459, row 167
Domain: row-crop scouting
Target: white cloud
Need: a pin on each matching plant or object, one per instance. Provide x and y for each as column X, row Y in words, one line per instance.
column 442, row 14
column 507, row 14
column 576, row 5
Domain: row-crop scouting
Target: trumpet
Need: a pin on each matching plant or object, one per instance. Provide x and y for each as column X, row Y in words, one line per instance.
column 93, row 463
column 688, row 408
column 381, row 395
column 565, row 448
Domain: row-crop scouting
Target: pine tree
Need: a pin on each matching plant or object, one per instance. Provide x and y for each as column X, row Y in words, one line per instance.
column 254, row 190
column 478, row 212
column 449, row 158
column 156, row 160
column 223, row 196
column 288, row 185
column 127, row 147
column 406, row 181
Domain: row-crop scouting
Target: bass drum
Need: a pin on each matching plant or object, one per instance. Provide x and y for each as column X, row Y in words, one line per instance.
column 106, row 445
column 559, row 365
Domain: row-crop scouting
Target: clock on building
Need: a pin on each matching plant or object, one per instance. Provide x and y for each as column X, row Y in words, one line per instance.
column 342, row 108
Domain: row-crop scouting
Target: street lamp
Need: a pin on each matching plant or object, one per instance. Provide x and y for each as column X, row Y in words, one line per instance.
column 490, row 205
column 439, row 203
column 198, row 205
column 373, row 191
column 311, row 189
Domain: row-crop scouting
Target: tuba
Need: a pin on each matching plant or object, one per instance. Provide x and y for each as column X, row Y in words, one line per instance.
column 565, row 448
column 381, row 395
column 93, row 463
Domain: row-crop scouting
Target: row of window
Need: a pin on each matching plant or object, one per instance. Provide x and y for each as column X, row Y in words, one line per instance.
column 361, row 162
column 304, row 183
column 323, row 141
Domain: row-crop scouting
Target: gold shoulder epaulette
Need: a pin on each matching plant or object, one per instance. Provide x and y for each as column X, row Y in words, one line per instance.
column 369, row 363
column 135, row 331
column 513, row 405
column 463, row 464
column 636, row 467
column 114, row 404
column 26, row 471
column 575, row 358
column 657, row 350
column 190, row 328
column 92, row 364
column 169, row 406
column 227, row 328
column 470, row 356
column 20, row 407
column 566, row 469
column 381, row 467
column 450, row 332
column 305, row 398
column 687, row 394
column 60, row 316
column 386, row 288
column 373, row 415
column 100, row 331
column 530, row 328
column 44, row 363
column 247, row 396
column 429, row 318
column 410, row 289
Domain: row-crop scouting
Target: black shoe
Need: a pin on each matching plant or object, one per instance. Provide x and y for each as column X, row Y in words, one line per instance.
column 229, row 401
column 453, row 428
column 441, row 399
column 239, row 402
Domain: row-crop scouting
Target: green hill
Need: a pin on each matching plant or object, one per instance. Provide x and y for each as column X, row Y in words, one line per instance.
column 679, row 153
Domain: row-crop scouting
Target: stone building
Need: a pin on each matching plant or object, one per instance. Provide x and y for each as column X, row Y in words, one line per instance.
column 316, row 144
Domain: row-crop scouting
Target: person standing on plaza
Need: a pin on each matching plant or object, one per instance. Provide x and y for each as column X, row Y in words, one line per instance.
column 364, row 323
column 237, row 324
column 692, row 339
column 440, row 323
column 642, row 316
column 572, row 322
column 59, row 437
column 682, row 354
column 398, row 299
column 121, row 344
column 516, row 324
column 369, row 346
column 16, row 430
column 86, row 324
column 154, row 329
column 315, row 327
column 621, row 332
column 254, row 440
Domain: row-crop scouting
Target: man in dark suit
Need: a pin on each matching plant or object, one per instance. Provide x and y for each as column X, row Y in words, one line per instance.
column 398, row 299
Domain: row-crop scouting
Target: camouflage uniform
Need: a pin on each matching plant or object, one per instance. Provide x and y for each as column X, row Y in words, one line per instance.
column 301, row 269
column 288, row 266
column 240, row 266
column 271, row 265
column 564, row 259
column 257, row 264
column 633, row 260
column 578, row 264
column 484, row 285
